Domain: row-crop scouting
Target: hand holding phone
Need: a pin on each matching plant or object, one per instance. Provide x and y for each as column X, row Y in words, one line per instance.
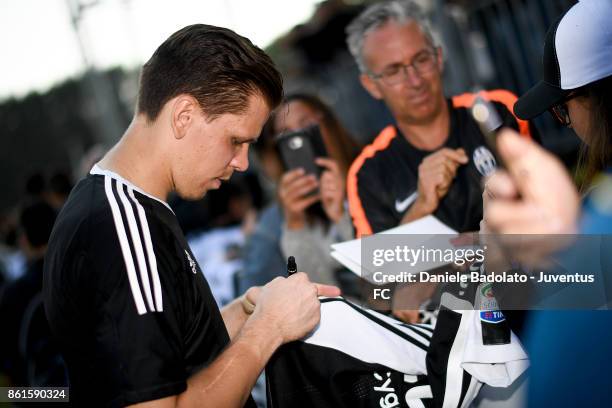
column 332, row 188
column 296, row 192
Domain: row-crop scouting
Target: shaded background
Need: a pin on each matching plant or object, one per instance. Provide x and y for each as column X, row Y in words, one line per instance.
column 487, row 43
column 52, row 130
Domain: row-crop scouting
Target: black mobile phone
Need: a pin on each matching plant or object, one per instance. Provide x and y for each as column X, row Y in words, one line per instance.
column 300, row 148
column 489, row 122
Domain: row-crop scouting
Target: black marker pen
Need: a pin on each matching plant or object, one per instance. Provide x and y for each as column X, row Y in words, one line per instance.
column 291, row 266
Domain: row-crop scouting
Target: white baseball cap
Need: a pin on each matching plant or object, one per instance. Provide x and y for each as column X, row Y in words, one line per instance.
column 577, row 52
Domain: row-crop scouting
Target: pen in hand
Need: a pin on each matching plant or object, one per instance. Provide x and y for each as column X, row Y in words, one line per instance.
column 291, row 266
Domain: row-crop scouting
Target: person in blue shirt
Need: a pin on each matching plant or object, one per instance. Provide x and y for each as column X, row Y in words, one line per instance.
column 570, row 349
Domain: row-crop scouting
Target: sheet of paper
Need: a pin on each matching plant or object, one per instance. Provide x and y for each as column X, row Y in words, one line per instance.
column 347, row 262
column 348, row 253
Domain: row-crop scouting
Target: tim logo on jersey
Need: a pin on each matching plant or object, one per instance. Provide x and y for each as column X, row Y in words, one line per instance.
column 492, row 316
column 484, row 161
column 495, row 329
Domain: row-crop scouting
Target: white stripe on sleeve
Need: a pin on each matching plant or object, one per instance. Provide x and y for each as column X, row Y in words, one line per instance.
column 137, row 244
column 125, row 247
column 157, row 293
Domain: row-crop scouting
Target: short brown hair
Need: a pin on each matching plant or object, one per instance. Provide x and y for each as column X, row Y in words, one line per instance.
column 218, row 67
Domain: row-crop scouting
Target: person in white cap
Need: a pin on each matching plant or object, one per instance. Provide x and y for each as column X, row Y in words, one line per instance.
column 577, row 89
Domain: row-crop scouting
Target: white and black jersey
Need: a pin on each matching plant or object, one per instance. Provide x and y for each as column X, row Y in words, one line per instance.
column 355, row 358
column 472, row 344
column 124, row 296
column 360, row 358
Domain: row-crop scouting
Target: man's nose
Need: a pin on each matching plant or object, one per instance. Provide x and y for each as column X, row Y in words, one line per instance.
column 412, row 77
column 240, row 162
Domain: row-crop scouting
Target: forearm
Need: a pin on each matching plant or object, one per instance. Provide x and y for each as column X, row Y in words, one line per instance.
column 228, row 381
column 234, row 316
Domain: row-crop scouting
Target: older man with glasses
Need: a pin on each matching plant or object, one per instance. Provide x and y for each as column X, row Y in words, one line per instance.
column 432, row 159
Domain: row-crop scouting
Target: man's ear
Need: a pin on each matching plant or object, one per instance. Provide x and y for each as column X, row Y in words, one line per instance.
column 184, row 111
column 371, row 86
column 439, row 59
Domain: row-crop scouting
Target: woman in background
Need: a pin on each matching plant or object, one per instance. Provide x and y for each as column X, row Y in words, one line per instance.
column 312, row 222
column 299, row 223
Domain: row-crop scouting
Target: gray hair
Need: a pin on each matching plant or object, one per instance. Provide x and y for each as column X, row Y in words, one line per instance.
column 377, row 15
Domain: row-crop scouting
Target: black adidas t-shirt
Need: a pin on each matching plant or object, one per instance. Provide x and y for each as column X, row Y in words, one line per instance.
column 383, row 181
column 131, row 309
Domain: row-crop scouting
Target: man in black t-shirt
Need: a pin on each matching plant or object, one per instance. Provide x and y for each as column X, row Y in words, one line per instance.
column 432, row 160
column 134, row 316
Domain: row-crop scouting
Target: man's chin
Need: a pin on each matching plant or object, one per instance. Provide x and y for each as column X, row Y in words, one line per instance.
column 423, row 114
column 196, row 195
column 193, row 195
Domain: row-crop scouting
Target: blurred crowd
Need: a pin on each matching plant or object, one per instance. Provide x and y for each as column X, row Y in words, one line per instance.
column 242, row 233
column 27, row 352
column 238, row 233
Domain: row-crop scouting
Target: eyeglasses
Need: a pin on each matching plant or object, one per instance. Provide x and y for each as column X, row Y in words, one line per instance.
column 423, row 63
column 561, row 113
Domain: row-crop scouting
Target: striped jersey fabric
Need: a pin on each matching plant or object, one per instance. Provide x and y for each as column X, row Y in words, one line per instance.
column 361, row 358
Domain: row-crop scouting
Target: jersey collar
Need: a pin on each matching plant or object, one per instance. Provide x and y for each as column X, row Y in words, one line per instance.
column 97, row 170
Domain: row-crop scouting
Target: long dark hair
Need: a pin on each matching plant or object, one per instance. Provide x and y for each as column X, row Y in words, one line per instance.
column 596, row 154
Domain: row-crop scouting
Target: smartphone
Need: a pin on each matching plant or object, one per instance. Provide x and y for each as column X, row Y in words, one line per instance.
column 489, row 122
column 300, row 148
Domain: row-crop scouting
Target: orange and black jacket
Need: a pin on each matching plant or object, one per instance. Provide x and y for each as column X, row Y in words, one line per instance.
column 382, row 181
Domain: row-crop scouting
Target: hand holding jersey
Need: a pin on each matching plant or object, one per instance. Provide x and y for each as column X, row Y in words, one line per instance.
column 290, row 307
